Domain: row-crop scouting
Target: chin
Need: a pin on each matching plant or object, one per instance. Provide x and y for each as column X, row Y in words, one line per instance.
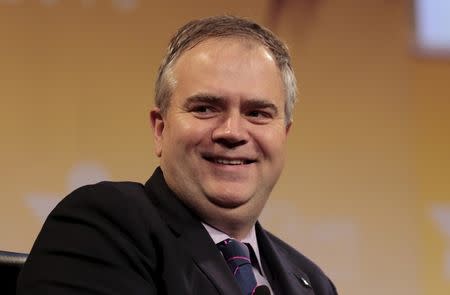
column 228, row 200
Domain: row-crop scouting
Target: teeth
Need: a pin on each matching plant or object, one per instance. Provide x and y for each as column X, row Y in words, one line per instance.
column 229, row 162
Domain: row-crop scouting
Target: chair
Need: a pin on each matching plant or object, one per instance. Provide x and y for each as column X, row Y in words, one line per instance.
column 10, row 265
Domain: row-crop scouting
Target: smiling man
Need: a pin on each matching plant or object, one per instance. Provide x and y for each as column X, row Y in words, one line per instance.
column 221, row 139
column 224, row 98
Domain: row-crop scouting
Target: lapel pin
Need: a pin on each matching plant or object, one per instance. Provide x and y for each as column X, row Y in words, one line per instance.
column 305, row 282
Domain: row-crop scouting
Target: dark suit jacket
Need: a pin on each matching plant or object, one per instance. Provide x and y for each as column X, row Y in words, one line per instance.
column 126, row 238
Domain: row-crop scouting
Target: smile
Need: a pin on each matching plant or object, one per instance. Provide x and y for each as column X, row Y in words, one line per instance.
column 224, row 161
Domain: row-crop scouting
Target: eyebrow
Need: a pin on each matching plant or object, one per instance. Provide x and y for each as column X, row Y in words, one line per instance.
column 206, row 98
column 254, row 103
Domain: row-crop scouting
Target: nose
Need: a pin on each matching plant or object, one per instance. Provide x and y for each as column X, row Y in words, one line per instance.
column 230, row 131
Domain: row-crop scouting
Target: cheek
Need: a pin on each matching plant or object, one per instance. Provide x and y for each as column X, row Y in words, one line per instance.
column 272, row 142
column 185, row 132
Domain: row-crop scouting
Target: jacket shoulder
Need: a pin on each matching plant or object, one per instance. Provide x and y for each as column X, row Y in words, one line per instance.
column 106, row 191
column 125, row 205
column 96, row 238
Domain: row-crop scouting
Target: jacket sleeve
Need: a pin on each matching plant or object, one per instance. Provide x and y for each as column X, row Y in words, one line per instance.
column 96, row 241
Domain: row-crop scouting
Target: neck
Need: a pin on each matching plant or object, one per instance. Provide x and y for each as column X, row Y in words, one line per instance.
column 238, row 233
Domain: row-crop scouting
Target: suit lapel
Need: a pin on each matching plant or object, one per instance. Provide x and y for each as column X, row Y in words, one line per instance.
column 205, row 254
column 189, row 231
column 285, row 278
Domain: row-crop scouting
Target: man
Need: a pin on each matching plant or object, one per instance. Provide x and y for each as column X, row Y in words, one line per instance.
column 224, row 98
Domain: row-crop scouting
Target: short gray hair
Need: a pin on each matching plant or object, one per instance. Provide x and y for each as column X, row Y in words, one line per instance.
column 199, row 30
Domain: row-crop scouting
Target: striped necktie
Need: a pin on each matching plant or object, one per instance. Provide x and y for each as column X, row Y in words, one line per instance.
column 237, row 256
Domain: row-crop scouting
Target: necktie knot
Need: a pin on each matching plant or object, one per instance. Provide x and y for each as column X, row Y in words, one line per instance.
column 235, row 252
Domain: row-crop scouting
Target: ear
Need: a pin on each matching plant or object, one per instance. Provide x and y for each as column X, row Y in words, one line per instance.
column 288, row 127
column 157, row 121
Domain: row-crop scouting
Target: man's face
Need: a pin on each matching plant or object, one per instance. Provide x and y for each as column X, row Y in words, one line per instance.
column 222, row 139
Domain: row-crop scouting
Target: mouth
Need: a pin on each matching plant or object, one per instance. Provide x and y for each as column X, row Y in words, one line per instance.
column 229, row 161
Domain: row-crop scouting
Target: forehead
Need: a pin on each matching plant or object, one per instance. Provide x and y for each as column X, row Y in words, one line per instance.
column 214, row 43
column 228, row 56
column 232, row 65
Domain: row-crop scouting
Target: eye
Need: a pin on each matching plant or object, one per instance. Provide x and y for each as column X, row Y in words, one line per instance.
column 259, row 116
column 203, row 110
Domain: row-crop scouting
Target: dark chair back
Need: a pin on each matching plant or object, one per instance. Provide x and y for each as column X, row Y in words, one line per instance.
column 10, row 265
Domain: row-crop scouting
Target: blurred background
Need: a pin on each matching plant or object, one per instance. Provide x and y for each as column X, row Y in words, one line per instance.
column 366, row 189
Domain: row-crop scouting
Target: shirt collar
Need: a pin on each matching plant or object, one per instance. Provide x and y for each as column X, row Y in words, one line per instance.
column 218, row 236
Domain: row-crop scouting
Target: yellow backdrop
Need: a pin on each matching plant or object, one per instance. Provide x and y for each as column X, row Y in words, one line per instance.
column 365, row 192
